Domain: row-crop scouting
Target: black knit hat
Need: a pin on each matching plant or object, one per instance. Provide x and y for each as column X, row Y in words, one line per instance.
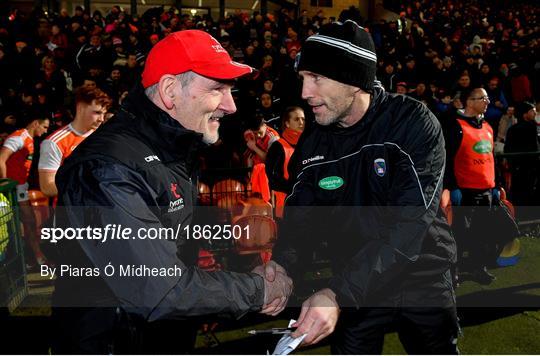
column 523, row 108
column 343, row 52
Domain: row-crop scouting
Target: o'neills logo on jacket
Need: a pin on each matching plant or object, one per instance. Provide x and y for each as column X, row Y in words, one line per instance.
column 177, row 204
column 312, row 159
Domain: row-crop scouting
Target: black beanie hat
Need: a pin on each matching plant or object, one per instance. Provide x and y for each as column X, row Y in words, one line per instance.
column 523, row 108
column 343, row 52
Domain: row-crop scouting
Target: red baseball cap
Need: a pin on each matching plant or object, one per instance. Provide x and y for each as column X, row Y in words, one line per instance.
column 190, row 50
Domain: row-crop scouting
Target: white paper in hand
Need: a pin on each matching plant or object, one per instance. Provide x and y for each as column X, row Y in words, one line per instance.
column 287, row 343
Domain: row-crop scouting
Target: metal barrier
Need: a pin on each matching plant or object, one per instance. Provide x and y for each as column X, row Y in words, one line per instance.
column 517, row 154
column 224, row 187
column 13, row 281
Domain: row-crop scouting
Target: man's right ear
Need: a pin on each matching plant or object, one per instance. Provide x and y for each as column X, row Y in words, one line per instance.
column 167, row 90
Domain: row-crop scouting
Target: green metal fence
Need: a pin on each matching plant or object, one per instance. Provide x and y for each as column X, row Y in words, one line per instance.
column 13, row 281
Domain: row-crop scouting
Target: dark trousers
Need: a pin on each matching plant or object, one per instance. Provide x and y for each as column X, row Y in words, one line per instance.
column 421, row 330
column 525, row 190
column 108, row 331
column 470, row 226
column 420, row 307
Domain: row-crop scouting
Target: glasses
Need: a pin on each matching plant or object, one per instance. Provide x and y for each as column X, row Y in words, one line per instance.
column 483, row 98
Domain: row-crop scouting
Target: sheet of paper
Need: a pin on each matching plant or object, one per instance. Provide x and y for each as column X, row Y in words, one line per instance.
column 287, row 343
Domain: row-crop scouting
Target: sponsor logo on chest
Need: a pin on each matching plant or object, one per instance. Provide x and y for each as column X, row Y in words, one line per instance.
column 483, row 147
column 178, row 202
column 331, row 183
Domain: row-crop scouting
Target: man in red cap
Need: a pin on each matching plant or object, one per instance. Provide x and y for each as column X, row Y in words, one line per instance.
column 138, row 173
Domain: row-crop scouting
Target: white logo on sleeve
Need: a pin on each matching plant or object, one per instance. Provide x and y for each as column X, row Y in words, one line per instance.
column 152, row 158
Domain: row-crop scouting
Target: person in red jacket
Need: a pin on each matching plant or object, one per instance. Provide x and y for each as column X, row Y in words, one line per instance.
column 279, row 154
column 258, row 138
column 523, row 137
column 15, row 161
column 520, row 84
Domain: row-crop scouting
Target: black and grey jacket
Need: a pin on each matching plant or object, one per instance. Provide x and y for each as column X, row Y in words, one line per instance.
column 371, row 192
column 138, row 171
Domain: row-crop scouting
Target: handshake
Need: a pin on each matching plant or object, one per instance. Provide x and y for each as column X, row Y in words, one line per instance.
column 277, row 287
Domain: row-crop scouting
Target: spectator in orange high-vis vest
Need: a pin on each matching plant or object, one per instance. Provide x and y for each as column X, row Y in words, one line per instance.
column 469, row 181
column 15, row 161
column 259, row 137
column 279, row 154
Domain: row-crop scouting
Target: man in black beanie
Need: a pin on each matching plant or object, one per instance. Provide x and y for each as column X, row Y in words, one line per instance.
column 368, row 178
column 523, row 137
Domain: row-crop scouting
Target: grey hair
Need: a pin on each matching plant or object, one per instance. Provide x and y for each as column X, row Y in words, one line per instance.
column 185, row 79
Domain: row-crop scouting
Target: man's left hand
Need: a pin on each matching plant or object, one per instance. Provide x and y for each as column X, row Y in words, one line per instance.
column 318, row 317
column 445, row 198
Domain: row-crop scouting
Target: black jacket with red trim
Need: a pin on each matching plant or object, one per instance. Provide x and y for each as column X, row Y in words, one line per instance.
column 137, row 171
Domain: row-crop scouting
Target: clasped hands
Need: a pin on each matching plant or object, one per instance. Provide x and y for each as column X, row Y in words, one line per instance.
column 277, row 287
column 319, row 313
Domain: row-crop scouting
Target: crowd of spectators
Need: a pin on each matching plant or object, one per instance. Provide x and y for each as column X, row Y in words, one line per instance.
column 455, row 45
column 435, row 49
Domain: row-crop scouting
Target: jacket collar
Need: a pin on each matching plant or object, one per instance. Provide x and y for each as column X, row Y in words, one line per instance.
column 475, row 122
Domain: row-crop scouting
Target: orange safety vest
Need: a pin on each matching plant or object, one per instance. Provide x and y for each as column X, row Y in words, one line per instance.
column 280, row 196
column 19, row 163
column 474, row 164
